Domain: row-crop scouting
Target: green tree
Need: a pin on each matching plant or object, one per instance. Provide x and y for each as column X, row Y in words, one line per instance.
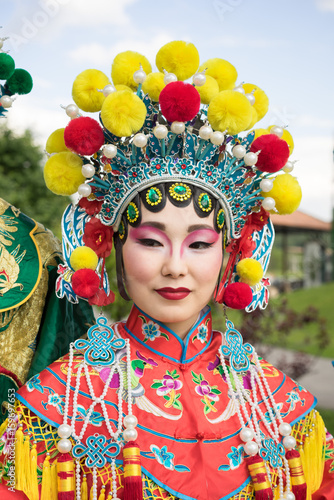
column 22, row 183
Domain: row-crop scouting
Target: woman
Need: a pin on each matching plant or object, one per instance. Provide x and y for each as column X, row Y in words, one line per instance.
column 201, row 412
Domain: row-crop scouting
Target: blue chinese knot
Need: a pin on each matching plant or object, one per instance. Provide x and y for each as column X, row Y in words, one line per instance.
column 101, row 344
column 97, row 449
column 237, row 351
column 272, row 452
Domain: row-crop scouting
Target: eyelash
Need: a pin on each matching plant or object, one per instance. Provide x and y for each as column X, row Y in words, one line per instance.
column 196, row 245
column 199, row 245
column 149, row 242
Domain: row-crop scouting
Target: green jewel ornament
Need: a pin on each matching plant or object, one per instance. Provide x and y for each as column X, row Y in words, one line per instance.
column 220, row 218
column 204, row 202
column 132, row 213
column 121, row 230
column 153, row 196
column 180, row 191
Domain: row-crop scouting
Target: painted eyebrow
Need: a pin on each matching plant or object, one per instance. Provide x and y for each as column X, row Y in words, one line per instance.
column 162, row 227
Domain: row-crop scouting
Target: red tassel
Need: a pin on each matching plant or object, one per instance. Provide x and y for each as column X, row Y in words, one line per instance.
column 66, row 478
column 133, row 486
column 262, row 485
column 298, row 482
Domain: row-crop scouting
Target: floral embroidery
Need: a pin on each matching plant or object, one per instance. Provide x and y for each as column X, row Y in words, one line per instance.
column 167, row 388
column 293, row 399
column 235, row 458
column 164, row 458
column 34, row 383
column 329, row 455
column 209, row 393
column 55, row 400
column 151, row 330
column 202, row 333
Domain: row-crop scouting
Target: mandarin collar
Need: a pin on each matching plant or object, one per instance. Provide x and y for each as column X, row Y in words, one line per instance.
column 161, row 340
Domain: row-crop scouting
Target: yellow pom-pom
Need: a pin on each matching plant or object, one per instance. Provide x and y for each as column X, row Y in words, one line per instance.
column 287, row 194
column 83, row 258
column 209, row 90
column 254, row 118
column 261, row 100
column 259, row 132
column 180, row 58
column 229, row 110
column 153, row 85
column 62, row 173
column 222, row 71
column 55, row 142
column 123, row 114
column 123, row 87
column 124, row 66
column 85, row 90
column 287, row 137
column 250, row 271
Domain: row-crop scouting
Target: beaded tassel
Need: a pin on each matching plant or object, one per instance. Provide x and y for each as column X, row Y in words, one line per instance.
column 133, row 486
column 260, row 478
column 66, row 479
column 32, row 480
column 19, row 459
column 298, row 482
column 84, row 488
column 46, row 479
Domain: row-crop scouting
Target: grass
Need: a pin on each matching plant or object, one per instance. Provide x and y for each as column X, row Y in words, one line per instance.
column 328, row 416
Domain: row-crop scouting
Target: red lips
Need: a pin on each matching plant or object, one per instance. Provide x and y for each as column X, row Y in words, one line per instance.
column 170, row 293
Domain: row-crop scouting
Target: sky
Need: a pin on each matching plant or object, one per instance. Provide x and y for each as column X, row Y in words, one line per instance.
column 283, row 47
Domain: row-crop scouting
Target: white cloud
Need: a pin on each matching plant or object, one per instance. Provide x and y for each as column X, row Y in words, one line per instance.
column 327, row 5
column 306, row 120
column 100, row 55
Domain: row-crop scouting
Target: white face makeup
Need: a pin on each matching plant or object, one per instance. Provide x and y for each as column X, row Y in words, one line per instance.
column 172, row 262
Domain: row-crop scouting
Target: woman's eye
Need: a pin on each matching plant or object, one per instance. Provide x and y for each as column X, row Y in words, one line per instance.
column 149, row 242
column 200, row 244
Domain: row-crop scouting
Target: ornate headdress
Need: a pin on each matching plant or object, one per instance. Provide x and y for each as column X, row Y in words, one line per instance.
column 156, row 128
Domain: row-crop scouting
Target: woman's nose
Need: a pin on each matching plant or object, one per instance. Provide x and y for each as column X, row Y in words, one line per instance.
column 175, row 265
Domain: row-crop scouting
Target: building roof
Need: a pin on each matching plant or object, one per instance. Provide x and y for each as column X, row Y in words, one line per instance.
column 300, row 221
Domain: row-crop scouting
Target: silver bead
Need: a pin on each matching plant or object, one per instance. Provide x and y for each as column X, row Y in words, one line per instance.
column 64, row 431
column 84, row 190
column 239, row 151
column 251, row 98
column 140, row 140
column 109, row 151
column 178, row 127
column 64, row 445
column 250, row 159
column 289, row 442
column 288, row 167
column 199, row 79
column 130, row 421
column 6, row 101
column 239, row 89
column 276, row 130
column 266, row 185
column 169, row 77
column 108, row 89
column 217, row 138
column 246, row 434
column 205, row 132
column 88, row 170
column 72, row 110
column 285, row 429
column 130, row 434
column 160, row 131
column 268, row 203
column 289, row 496
column 140, row 75
column 251, row 448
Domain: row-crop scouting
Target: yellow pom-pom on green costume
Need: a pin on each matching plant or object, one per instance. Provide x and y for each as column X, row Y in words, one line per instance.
column 250, row 271
column 153, row 85
column 123, row 113
column 222, row 71
column 85, row 91
column 209, row 90
column 124, row 66
column 56, row 142
column 83, row 258
column 62, row 173
column 231, row 111
column 287, row 194
column 180, row 58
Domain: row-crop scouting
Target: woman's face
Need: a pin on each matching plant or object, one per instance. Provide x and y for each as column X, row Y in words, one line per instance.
column 172, row 262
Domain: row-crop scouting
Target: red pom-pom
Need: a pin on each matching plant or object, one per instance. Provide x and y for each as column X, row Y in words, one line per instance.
column 179, row 102
column 274, row 153
column 85, row 283
column 83, row 135
column 238, row 295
